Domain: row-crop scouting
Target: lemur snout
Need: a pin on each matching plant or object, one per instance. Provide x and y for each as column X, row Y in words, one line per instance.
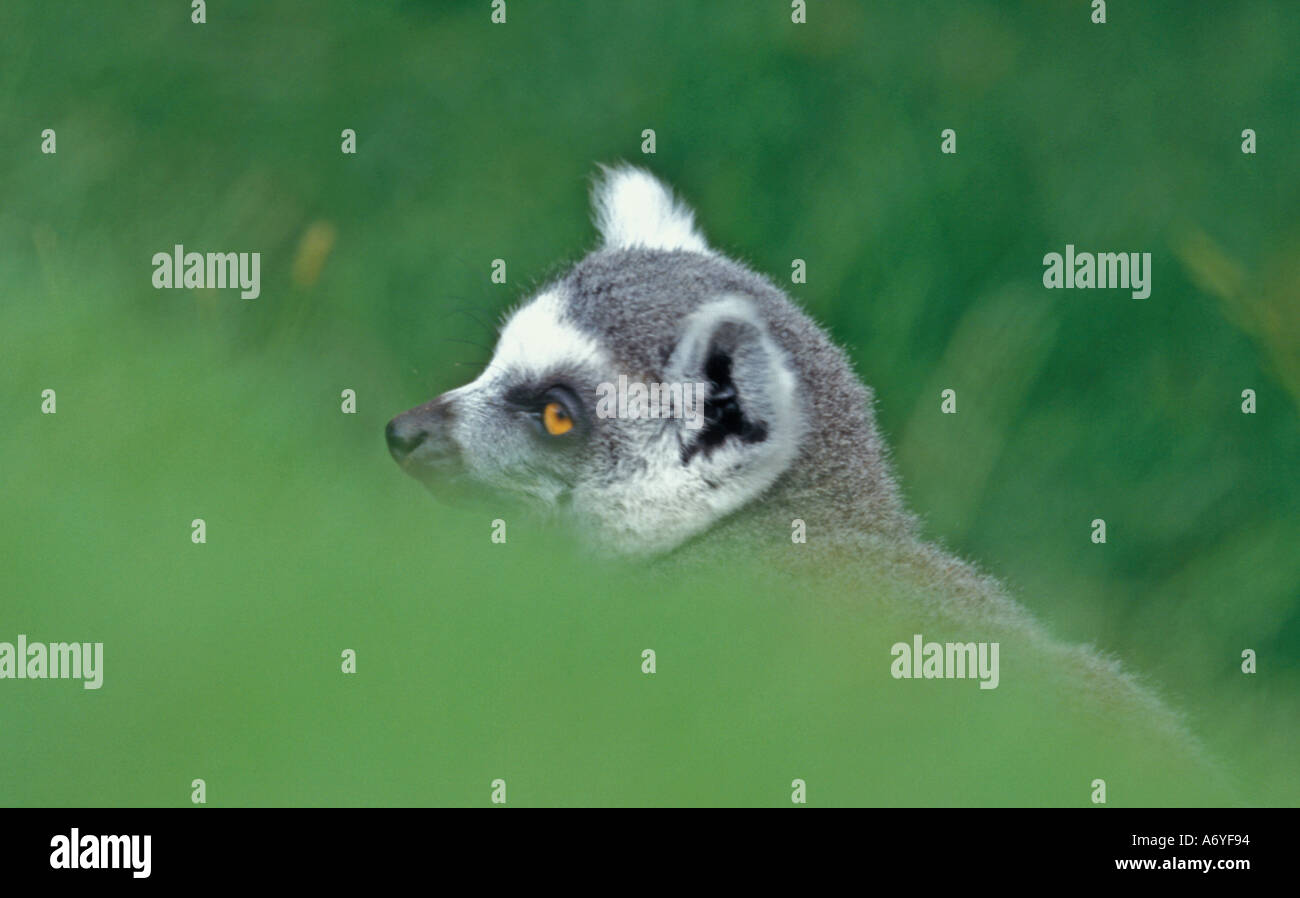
column 423, row 426
column 400, row 443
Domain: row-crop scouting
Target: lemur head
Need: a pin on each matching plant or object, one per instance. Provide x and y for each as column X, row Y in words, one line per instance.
column 565, row 414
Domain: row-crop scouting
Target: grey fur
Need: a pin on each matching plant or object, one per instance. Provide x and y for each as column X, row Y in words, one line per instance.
column 842, row 473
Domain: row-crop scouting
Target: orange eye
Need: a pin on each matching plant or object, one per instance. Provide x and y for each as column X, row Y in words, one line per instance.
column 556, row 419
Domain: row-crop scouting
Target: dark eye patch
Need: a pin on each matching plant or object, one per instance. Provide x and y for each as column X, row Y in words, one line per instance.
column 532, row 399
column 524, row 397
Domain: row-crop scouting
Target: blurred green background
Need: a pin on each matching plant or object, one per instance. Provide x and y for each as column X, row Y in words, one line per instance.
column 475, row 142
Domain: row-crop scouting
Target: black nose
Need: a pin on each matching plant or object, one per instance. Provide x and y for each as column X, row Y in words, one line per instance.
column 400, row 443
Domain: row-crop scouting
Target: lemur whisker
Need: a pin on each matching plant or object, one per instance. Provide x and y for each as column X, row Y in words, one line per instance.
column 477, row 320
column 468, row 343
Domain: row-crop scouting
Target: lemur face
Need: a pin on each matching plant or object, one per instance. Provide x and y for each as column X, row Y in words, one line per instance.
column 642, row 394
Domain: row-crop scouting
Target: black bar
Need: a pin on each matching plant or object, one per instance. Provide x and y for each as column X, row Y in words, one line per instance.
column 370, row 846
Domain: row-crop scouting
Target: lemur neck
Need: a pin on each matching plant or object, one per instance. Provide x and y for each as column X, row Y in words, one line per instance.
column 842, row 474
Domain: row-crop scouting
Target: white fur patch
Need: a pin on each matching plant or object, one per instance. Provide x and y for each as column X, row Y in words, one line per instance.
column 538, row 339
column 634, row 210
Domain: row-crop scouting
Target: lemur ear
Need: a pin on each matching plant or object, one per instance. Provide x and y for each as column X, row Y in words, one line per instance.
column 633, row 209
column 752, row 385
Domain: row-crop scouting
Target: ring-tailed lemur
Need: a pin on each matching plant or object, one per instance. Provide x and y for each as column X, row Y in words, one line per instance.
column 787, row 433
column 785, row 418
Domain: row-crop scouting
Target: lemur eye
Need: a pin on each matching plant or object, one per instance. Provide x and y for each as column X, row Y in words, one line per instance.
column 555, row 418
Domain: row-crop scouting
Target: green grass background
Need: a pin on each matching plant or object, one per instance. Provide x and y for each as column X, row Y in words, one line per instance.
column 476, row 142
